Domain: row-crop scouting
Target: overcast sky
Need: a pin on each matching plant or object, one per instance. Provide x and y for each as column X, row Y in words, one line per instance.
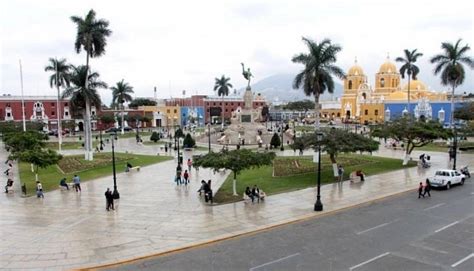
column 184, row 45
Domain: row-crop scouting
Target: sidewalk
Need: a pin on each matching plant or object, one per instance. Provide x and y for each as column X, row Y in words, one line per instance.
column 69, row 230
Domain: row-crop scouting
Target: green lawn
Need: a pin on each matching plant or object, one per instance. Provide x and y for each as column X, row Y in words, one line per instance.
column 443, row 147
column 87, row 170
column 262, row 177
column 64, row 146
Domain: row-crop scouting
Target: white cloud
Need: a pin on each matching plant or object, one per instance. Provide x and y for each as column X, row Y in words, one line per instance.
column 178, row 45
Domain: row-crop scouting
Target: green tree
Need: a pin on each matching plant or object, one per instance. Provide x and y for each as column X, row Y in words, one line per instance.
column 91, row 36
column 83, row 94
column 409, row 68
column 465, row 112
column 155, row 137
column 11, row 126
column 21, row 141
column 275, row 141
column 450, row 64
column 335, row 141
column 413, row 134
column 39, row 158
column 107, row 119
column 235, row 160
column 222, row 86
column 59, row 78
column 179, row 133
column 120, row 95
column 141, row 102
column 319, row 67
column 304, row 105
column 189, row 142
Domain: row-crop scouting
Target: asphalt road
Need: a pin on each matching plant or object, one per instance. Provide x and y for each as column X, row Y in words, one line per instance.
column 399, row 233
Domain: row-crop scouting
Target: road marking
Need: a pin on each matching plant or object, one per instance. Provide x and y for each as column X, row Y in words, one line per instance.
column 368, row 261
column 434, row 206
column 447, row 226
column 275, row 261
column 463, row 260
column 376, row 227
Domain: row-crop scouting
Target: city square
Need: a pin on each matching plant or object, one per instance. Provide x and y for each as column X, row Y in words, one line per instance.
column 317, row 154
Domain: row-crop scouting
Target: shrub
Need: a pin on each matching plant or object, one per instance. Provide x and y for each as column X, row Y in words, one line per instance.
column 275, row 141
column 189, row 142
column 155, row 137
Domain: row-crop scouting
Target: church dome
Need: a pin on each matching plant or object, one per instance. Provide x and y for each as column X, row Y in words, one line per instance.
column 415, row 85
column 388, row 67
column 355, row 70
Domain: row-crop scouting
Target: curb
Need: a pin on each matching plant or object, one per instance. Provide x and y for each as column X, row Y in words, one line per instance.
column 248, row 233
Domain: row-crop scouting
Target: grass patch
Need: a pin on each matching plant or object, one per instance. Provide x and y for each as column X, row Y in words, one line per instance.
column 443, row 147
column 87, row 170
column 291, row 180
column 64, row 145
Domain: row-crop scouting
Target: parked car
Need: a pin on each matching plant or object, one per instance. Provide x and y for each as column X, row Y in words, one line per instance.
column 446, row 178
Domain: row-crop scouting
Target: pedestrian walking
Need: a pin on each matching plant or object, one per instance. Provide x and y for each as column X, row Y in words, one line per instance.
column 186, row 177
column 190, row 164
column 427, row 188
column 420, row 191
column 340, row 172
column 9, row 184
column 166, row 148
column 109, row 200
column 178, row 175
column 77, row 183
column 39, row 190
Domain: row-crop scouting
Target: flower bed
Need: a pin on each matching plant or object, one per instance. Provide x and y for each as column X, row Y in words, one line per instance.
column 71, row 164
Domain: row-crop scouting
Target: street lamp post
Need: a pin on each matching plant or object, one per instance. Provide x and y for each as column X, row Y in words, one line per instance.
column 282, row 142
column 318, row 206
column 100, row 141
column 209, row 135
column 455, row 147
column 115, row 194
column 138, row 135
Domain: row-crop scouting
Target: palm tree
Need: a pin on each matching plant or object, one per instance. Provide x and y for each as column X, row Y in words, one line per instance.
column 91, row 36
column 409, row 68
column 222, row 86
column 450, row 64
column 120, row 95
column 59, row 78
column 316, row 77
column 83, row 94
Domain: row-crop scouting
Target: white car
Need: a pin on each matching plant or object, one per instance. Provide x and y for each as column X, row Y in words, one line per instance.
column 446, row 178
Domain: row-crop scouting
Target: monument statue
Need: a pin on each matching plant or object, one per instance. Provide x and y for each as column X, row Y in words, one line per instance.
column 247, row 74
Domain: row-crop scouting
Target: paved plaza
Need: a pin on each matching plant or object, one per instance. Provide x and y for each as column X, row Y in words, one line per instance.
column 68, row 230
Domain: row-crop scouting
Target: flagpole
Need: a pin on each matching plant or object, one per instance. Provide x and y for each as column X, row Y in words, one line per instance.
column 22, row 98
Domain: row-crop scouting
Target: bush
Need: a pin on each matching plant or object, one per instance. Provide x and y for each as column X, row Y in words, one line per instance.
column 189, row 142
column 275, row 141
column 155, row 137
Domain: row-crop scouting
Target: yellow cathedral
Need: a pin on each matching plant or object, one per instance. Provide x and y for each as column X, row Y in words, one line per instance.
column 363, row 103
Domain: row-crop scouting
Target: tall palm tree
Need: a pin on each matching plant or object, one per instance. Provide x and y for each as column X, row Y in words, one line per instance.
column 83, row 94
column 91, row 36
column 316, row 76
column 450, row 64
column 409, row 68
column 59, row 78
column 120, row 95
column 222, row 86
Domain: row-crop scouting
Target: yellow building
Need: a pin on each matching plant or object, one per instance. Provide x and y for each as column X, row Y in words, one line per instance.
column 361, row 103
column 163, row 115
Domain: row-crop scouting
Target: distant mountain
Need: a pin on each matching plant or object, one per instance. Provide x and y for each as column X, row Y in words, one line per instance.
column 279, row 88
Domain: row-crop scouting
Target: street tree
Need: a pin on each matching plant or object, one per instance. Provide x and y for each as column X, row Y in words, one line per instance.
column 121, row 95
column 189, row 141
column 222, row 86
column 335, row 141
column 38, row 157
column 155, row 137
column 319, row 68
column 107, row 119
column 413, row 134
column 409, row 68
column 450, row 63
column 465, row 112
column 59, row 78
column 17, row 142
column 83, row 94
column 303, row 105
column 141, row 102
column 91, row 36
column 235, row 160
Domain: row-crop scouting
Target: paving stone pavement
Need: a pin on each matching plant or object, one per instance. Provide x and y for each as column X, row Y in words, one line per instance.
column 68, row 230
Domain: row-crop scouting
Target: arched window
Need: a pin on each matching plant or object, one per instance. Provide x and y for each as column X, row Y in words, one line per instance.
column 364, row 95
column 350, row 84
column 382, row 82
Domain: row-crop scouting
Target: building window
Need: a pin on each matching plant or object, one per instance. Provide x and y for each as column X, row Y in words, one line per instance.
column 9, row 115
column 66, row 113
column 382, row 83
column 52, row 104
column 175, row 111
column 350, row 84
column 65, row 104
column 366, row 112
column 168, row 111
column 226, row 110
column 225, row 103
column 376, row 112
column 208, row 110
column 338, row 115
column 52, row 113
column 214, row 104
column 232, row 104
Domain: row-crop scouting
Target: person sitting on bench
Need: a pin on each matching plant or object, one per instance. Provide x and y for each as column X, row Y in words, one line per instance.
column 360, row 174
column 63, row 183
column 9, row 184
column 129, row 166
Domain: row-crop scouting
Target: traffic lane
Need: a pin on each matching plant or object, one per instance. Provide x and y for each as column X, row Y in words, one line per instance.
column 329, row 242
